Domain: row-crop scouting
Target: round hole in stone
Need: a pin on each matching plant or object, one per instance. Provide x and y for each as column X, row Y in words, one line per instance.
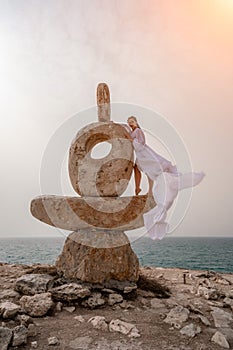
column 101, row 150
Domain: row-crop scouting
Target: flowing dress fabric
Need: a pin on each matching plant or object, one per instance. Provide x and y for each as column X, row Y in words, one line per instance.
column 168, row 183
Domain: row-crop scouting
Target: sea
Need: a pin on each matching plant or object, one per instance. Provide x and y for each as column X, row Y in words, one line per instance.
column 202, row 253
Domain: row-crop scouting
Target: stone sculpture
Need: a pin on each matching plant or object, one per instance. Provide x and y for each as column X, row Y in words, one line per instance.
column 98, row 251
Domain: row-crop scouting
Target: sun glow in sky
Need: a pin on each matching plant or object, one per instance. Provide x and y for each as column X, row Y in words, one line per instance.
column 174, row 57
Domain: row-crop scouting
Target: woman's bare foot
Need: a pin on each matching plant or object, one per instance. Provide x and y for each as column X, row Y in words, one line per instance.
column 137, row 191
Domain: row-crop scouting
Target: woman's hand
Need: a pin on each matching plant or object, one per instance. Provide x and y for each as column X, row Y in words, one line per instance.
column 128, row 136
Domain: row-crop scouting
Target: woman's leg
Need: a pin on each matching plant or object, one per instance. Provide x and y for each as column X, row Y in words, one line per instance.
column 137, row 178
column 151, row 183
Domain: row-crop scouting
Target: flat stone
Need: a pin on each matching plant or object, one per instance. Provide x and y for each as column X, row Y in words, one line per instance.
column 73, row 213
column 177, row 316
column 82, row 260
column 31, row 284
column 204, row 320
column 221, row 317
column 37, row 305
column 9, row 294
column 5, row 337
column 220, row 339
column 19, row 335
column 99, row 322
column 190, row 330
column 120, row 326
column 8, row 309
column 81, row 343
column 70, row 292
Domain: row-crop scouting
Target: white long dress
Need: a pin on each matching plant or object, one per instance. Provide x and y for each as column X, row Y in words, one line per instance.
column 168, row 183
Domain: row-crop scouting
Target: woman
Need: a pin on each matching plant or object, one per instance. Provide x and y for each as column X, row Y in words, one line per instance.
column 168, row 180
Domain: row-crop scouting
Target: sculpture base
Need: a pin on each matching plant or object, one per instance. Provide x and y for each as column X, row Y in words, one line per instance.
column 98, row 256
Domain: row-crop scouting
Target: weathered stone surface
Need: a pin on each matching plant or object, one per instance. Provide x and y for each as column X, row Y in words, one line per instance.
column 190, row 330
column 95, row 300
column 208, row 293
column 31, row 284
column 8, row 309
column 228, row 301
column 5, row 337
column 70, row 292
column 73, row 213
column 34, row 344
column 37, row 305
column 221, row 317
column 97, row 257
column 220, row 339
column 120, row 326
column 99, row 322
column 19, row 335
column 177, row 316
column 53, row 341
column 114, row 298
column 81, row 343
column 108, row 176
column 9, row 294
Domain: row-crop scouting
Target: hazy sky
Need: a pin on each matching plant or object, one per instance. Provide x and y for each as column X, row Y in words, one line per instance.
column 171, row 56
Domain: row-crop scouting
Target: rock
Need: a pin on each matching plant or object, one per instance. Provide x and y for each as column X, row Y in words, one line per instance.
column 34, row 344
column 145, row 293
column 31, row 284
column 8, row 309
column 53, row 341
column 9, row 294
column 98, row 256
column 32, row 330
column 5, row 337
column 124, row 286
column 126, row 305
column 204, row 320
column 19, row 335
column 37, row 305
column 134, row 333
column 81, row 213
column 81, row 343
column 70, row 292
column 220, row 339
column 69, row 308
column 177, row 316
column 59, row 306
column 221, row 317
column 24, row 320
column 114, row 299
column 79, row 318
column 228, row 301
column 120, row 326
column 94, row 300
column 157, row 304
column 190, row 330
column 106, row 174
column 99, row 322
column 229, row 294
column 211, row 293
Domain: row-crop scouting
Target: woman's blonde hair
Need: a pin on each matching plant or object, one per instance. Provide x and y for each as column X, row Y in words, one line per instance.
column 135, row 119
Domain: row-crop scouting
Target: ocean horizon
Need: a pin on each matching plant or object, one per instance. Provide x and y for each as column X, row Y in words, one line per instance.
column 201, row 253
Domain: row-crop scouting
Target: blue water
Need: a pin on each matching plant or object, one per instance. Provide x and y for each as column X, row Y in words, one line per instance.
column 212, row 253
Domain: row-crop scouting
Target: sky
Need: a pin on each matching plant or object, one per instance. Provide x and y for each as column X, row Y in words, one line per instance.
column 173, row 57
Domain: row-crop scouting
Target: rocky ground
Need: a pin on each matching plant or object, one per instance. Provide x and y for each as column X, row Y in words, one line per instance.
column 169, row 308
